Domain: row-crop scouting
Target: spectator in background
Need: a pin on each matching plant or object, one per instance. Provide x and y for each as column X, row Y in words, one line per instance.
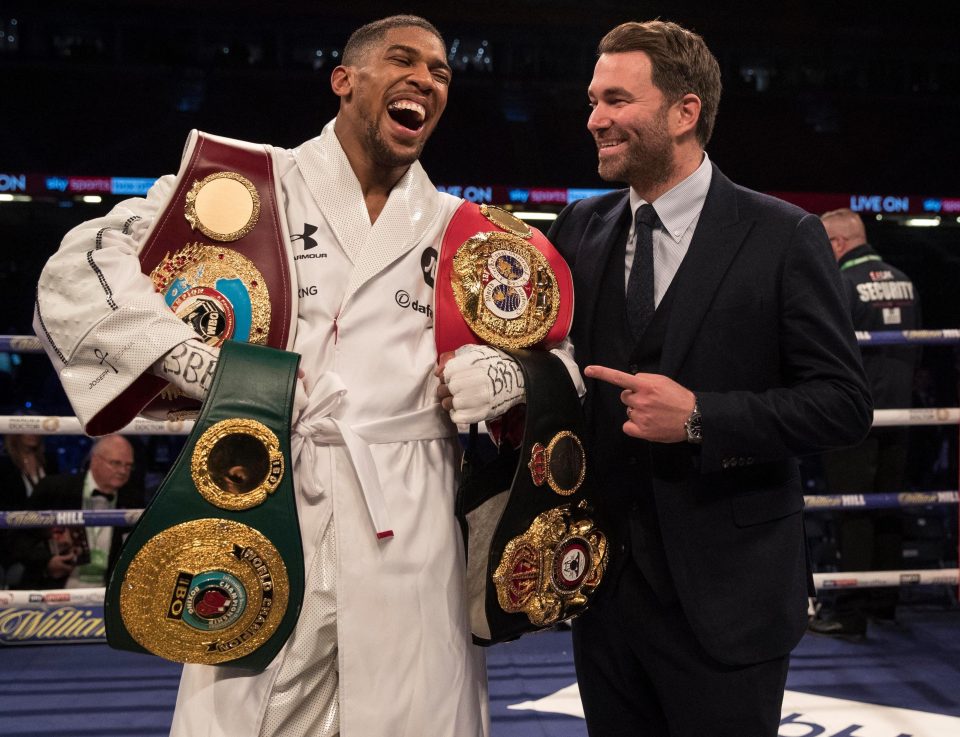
column 23, row 466
column 21, row 469
column 880, row 297
column 80, row 557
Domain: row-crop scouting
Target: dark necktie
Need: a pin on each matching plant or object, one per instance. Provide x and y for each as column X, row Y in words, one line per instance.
column 640, row 303
column 97, row 492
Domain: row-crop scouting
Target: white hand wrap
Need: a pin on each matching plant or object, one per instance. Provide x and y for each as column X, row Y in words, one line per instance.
column 189, row 367
column 484, row 383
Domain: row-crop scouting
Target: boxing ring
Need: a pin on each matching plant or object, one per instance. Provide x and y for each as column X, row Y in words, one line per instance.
column 74, row 616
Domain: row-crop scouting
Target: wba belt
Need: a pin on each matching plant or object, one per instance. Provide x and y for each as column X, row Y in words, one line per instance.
column 535, row 553
column 213, row 571
column 218, row 254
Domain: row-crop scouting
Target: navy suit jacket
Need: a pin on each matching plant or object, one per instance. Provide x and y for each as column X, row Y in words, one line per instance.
column 760, row 331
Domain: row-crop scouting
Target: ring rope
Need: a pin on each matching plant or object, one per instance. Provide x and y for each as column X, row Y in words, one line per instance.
column 916, row 417
column 898, row 500
column 54, row 425
column 21, row 520
column 63, row 425
column 905, row 337
column 823, row 581
column 24, row 519
column 874, row 579
column 47, row 598
column 31, row 344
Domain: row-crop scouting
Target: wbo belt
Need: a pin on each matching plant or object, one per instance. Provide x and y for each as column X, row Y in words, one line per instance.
column 317, row 426
column 213, row 571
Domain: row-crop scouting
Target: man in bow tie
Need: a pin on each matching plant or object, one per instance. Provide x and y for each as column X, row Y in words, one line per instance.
column 78, row 556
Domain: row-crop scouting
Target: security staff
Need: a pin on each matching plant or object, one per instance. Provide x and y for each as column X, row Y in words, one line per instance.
column 881, row 297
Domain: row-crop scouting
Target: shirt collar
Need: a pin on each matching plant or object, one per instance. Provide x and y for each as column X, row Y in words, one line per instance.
column 682, row 204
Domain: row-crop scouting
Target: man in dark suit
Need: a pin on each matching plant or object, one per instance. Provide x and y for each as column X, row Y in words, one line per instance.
column 715, row 338
column 54, row 559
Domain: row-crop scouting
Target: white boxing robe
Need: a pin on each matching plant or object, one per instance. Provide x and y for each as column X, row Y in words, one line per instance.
column 406, row 664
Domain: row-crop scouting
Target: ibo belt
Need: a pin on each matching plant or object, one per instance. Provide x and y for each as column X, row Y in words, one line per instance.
column 213, row 572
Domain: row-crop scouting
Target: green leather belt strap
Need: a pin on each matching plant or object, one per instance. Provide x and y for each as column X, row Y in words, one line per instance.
column 213, row 571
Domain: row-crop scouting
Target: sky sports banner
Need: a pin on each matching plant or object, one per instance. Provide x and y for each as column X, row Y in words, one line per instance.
column 46, row 185
column 43, row 185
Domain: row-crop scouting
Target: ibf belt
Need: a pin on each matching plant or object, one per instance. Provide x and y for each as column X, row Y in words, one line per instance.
column 217, row 253
column 213, row 571
column 501, row 282
column 536, row 549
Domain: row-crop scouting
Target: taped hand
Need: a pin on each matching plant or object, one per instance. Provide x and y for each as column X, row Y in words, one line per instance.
column 481, row 383
column 189, row 367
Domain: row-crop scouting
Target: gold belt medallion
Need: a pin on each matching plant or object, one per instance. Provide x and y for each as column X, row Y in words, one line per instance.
column 224, row 206
column 562, row 463
column 237, row 464
column 206, row 591
column 217, row 291
column 505, row 289
column 549, row 571
column 506, row 221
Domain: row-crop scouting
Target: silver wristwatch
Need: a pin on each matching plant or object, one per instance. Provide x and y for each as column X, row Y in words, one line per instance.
column 693, row 425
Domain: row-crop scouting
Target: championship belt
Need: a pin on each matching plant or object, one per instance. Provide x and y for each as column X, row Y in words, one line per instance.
column 535, row 554
column 213, row 571
column 218, row 255
column 501, row 282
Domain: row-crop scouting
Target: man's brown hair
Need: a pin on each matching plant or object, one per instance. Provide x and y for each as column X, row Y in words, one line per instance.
column 681, row 62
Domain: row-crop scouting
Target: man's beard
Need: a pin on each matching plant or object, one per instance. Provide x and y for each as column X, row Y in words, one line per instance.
column 648, row 160
column 385, row 156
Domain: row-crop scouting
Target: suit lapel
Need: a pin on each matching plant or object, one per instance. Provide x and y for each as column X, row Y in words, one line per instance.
column 719, row 235
column 602, row 233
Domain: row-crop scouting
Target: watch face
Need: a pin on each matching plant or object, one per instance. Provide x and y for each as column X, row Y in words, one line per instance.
column 693, row 426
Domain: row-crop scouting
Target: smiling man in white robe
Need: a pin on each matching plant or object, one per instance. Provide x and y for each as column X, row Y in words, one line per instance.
column 382, row 645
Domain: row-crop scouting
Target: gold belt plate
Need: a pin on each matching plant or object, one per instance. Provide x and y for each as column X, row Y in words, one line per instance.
column 505, row 289
column 237, row 464
column 217, row 291
column 206, row 591
column 224, row 206
column 549, row 571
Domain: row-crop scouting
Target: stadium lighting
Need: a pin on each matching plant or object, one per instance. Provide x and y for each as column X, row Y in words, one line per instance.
column 536, row 215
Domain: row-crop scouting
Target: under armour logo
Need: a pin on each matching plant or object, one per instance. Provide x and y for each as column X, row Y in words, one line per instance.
column 308, row 242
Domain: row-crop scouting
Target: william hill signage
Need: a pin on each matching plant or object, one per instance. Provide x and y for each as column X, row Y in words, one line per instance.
column 56, row 626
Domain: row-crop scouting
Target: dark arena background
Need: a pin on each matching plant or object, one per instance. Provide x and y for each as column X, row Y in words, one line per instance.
column 825, row 104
